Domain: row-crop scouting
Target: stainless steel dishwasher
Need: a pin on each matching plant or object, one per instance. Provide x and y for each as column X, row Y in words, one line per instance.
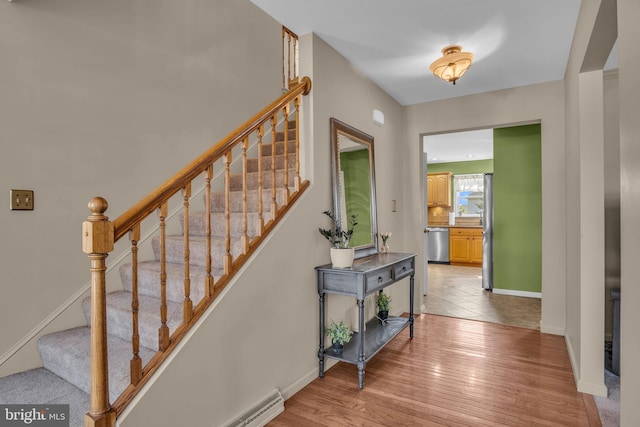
column 438, row 244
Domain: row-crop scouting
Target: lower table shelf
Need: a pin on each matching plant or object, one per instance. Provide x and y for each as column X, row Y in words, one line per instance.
column 375, row 337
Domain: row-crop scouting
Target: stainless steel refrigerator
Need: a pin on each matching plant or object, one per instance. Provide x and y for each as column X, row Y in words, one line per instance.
column 487, row 233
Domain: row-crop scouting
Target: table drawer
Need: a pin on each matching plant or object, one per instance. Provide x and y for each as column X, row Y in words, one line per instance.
column 402, row 269
column 378, row 279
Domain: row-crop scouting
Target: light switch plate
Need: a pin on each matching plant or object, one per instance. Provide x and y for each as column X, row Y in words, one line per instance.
column 21, row 200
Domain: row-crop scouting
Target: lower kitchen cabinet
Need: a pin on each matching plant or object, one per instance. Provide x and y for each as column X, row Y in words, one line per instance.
column 465, row 246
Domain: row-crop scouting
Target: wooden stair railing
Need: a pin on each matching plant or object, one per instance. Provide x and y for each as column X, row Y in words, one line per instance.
column 289, row 58
column 100, row 234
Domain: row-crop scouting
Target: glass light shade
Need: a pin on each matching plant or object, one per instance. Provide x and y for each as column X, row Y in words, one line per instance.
column 453, row 64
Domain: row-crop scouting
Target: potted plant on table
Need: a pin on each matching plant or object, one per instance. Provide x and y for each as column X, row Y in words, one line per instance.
column 339, row 334
column 341, row 253
column 383, row 302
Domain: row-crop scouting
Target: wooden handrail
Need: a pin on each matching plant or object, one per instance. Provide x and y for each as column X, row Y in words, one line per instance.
column 146, row 206
column 100, row 234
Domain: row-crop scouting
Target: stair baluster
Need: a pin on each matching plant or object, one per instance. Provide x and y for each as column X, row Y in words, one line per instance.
column 245, row 210
column 136, row 362
column 228, row 258
column 209, row 285
column 285, row 112
column 260, row 224
column 274, row 202
column 187, row 304
column 297, row 181
column 163, row 331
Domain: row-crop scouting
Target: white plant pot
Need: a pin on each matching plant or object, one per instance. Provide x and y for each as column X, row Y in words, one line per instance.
column 342, row 258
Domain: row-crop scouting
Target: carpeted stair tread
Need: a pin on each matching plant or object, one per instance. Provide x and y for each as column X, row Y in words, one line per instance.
column 42, row 387
column 267, row 147
column 236, row 180
column 67, row 354
column 119, row 317
column 174, row 250
column 149, row 280
column 236, row 200
column 198, row 224
column 252, row 163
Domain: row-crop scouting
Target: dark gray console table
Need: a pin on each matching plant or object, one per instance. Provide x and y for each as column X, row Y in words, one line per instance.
column 367, row 276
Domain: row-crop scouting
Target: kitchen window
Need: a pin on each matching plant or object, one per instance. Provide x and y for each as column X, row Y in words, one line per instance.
column 469, row 194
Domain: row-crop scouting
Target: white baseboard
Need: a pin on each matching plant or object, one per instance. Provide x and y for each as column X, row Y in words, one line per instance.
column 511, row 292
column 592, row 388
column 306, row 379
column 583, row 386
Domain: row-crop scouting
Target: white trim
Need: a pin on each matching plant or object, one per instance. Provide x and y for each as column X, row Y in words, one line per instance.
column 597, row 389
column 511, row 292
column 592, row 388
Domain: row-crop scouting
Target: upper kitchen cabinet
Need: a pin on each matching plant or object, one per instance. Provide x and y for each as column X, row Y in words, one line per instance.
column 439, row 189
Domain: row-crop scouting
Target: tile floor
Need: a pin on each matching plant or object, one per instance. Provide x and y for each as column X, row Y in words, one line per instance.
column 456, row 291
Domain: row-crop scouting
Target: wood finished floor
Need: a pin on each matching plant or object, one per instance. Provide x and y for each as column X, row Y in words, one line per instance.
column 455, row 372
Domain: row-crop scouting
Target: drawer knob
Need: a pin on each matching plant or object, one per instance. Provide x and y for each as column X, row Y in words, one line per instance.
column 380, row 279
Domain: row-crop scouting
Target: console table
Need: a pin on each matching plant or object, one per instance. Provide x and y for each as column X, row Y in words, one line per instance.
column 367, row 276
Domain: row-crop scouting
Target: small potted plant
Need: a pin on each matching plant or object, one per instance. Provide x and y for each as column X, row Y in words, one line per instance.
column 383, row 302
column 384, row 249
column 341, row 253
column 339, row 334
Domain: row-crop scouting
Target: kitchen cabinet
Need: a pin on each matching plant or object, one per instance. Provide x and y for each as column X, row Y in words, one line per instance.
column 465, row 246
column 439, row 189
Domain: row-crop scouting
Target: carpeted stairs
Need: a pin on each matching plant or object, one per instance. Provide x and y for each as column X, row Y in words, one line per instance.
column 65, row 379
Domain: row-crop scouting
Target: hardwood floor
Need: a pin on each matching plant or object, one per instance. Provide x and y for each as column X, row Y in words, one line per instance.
column 455, row 372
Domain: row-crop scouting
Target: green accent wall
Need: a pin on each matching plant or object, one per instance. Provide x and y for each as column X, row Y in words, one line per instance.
column 517, row 189
column 355, row 169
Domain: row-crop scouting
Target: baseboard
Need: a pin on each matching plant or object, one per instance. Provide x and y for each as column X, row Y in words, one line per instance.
column 260, row 414
column 572, row 359
column 581, row 385
column 514, row 293
column 592, row 388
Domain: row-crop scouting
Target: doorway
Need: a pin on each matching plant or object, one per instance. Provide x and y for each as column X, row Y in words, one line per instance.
column 456, row 290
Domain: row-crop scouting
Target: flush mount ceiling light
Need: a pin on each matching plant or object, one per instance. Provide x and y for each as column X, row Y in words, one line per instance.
column 453, row 64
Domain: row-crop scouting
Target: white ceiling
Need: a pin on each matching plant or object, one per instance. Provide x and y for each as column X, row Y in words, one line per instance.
column 515, row 43
column 459, row 146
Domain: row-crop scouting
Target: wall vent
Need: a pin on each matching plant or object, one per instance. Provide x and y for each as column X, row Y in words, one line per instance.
column 262, row 413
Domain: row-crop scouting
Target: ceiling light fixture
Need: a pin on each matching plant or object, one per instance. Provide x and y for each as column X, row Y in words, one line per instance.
column 453, row 64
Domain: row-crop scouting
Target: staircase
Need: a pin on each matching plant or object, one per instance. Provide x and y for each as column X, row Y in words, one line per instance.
column 243, row 208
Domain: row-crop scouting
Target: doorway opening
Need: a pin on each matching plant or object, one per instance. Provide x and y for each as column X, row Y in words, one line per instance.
column 454, row 287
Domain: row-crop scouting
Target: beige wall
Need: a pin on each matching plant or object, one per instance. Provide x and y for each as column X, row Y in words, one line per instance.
column 110, row 98
column 611, row 193
column 537, row 103
column 629, row 40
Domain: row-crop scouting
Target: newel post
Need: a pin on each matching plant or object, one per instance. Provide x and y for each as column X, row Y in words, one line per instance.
column 97, row 242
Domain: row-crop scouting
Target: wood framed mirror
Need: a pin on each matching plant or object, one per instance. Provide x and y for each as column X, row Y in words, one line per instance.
column 354, row 184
